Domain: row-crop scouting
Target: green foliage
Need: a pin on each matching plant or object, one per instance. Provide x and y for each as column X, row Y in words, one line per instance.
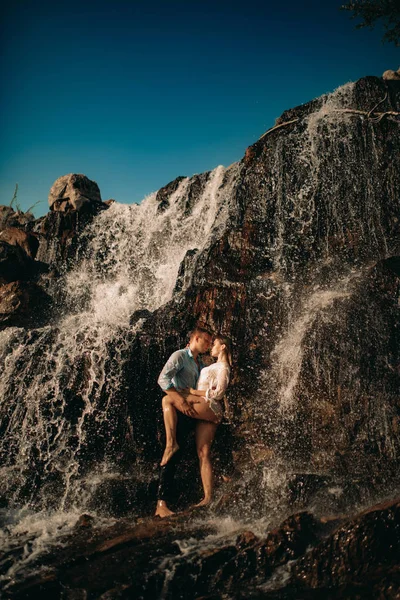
column 371, row 11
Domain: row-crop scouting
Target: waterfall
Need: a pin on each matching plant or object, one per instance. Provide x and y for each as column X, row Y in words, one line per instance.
column 288, row 354
column 62, row 384
column 320, row 397
column 291, row 252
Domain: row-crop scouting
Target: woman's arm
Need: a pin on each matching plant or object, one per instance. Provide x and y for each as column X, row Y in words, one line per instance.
column 197, row 392
column 218, row 392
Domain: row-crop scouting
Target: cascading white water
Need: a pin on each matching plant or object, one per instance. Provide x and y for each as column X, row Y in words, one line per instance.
column 68, row 376
column 288, row 354
column 330, row 226
column 354, row 217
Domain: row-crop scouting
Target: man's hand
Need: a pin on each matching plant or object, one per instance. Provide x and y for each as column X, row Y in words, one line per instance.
column 187, row 409
column 181, row 403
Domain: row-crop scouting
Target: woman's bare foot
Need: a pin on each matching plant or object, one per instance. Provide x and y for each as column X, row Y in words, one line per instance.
column 168, row 454
column 162, row 510
column 204, row 502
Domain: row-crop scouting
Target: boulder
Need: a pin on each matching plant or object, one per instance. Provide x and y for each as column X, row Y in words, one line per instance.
column 362, row 554
column 28, row 242
column 391, row 75
column 72, row 192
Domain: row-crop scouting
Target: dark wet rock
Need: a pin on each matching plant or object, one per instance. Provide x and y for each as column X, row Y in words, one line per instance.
column 150, row 558
column 369, row 542
column 59, row 235
column 359, row 560
column 196, row 188
column 138, row 315
column 72, row 192
column 23, row 304
column 164, row 193
column 14, row 262
column 142, row 555
column 28, row 242
column 185, row 271
column 85, row 521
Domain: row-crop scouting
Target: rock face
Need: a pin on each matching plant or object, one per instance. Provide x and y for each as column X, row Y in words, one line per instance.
column 11, row 218
column 16, row 237
column 301, row 558
column 296, row 276
column 293, row 252
column 72, row 192
column 22, row 304
column 391, row 75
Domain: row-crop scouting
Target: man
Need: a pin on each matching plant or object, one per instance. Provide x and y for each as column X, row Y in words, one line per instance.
column 180, row 372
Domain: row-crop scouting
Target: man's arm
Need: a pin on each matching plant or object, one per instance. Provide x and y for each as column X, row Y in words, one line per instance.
column 180, row 402
column 173, row 365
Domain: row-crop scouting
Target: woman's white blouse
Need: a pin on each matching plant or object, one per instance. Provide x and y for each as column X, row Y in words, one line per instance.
column 214, row 380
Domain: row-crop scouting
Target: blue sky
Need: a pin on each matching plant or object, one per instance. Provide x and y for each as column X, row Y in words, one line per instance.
column 135, row 93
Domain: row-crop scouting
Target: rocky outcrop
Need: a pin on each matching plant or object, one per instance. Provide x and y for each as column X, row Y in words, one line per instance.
column 300, row 267
column 72, row 192
column 391, row 75
column 59, row 233
column 294, row 279
column 11, row 218
column 360, row 557
column 28, row 242
column 303, row 557
column 14, row 263
column 164, row 194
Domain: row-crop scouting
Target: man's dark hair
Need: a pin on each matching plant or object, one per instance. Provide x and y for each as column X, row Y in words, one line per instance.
column 199, row 331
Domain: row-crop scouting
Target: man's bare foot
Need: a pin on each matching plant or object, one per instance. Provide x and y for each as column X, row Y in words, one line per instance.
column 168, row 454
column 162, row 510
column 204, row 502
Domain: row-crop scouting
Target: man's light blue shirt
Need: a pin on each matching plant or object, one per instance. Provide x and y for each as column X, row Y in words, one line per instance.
column 180, row 371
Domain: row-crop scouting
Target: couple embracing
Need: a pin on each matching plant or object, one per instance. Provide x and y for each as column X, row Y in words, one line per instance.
column 197, row 391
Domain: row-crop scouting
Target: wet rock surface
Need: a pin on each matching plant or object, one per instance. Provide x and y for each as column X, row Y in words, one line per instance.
column 300, row 268
column 23, row 304
column 341, row 558
column 17, row 237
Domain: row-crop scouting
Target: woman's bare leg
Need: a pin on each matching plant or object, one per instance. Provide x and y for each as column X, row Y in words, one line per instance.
column 201, row 411
column 170, row 421
column 205, row 433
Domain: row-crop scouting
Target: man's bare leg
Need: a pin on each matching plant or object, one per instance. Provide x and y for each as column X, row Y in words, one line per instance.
column 170, row 422
column 162, row 510
column 205, row 433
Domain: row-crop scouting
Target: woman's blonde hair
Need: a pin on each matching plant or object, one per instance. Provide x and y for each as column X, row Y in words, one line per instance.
column 228, row 347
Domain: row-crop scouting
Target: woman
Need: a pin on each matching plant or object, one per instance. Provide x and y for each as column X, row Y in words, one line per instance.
column 206, row 402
